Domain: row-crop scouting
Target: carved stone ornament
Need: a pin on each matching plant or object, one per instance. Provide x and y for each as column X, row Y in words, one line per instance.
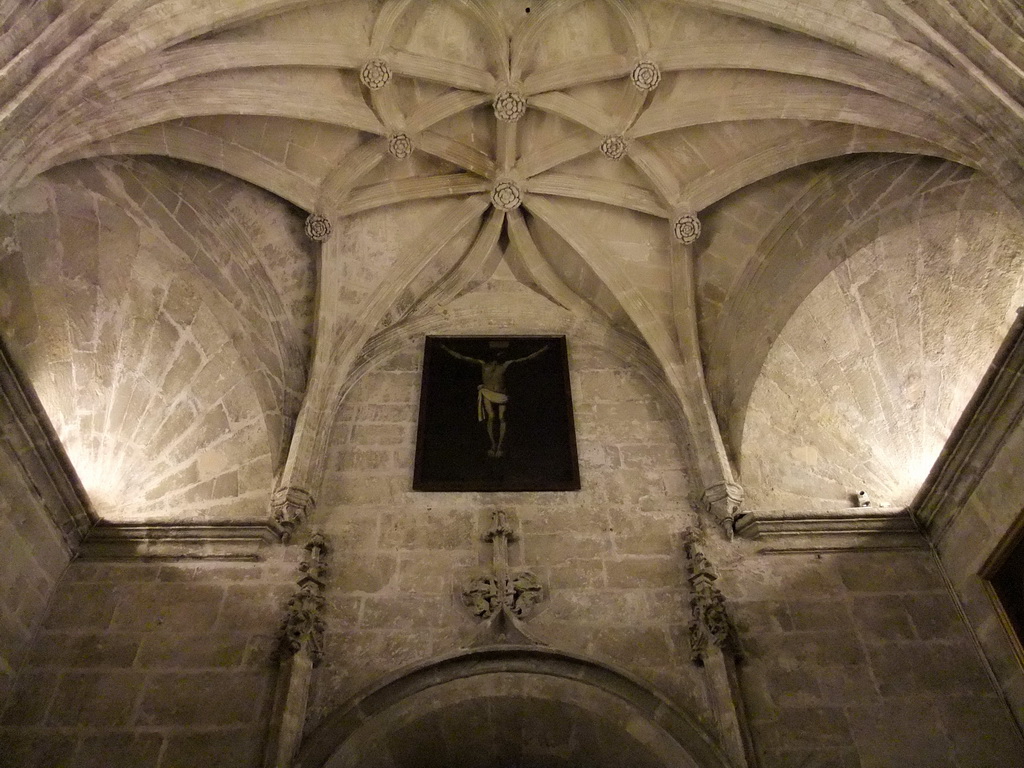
column 375, row 74
column 509, row 106
column 506, row 196
column 520, row 592
column 686, row 228
column 290, row 506
column 481, row 597
column 614, row 147
column 722, row 501
column 303, row 625
column 400, row 145
column 318, row 227
column 709, row 620
column 514, row 592
column 646, row 76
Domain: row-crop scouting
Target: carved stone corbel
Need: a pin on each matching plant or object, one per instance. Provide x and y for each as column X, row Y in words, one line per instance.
column 722, row 501
column 289, row 507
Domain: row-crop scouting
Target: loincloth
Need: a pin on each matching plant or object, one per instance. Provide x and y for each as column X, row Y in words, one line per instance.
column 483, row 393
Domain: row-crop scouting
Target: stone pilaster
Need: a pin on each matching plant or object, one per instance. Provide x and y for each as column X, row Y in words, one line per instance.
column 301, row 650
column 713, row 647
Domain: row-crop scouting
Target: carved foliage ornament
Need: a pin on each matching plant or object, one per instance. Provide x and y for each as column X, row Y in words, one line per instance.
column 303, row 625
column 614, row 147
column 509, row 106
column 506, row 196
column 400, row 145
column 318, row 227
column 709, row 620
column 686, row 228
column 375, row 74
column 646, row 76
column 518, row 593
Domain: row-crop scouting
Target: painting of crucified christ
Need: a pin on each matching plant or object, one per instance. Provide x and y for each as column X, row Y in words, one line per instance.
column 495, row 415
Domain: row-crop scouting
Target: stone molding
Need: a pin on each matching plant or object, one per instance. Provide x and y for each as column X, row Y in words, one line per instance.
column 172, row 541
column 996, row 408
column 343, row 722
column 289, row 506
column 25, row 431
column 861, row 529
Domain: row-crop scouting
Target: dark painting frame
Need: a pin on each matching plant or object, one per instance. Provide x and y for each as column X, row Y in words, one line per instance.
column 459, row 442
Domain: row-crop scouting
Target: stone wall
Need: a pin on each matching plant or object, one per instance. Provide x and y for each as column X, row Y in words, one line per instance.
column 32, row 556
column 608, row 554
column 862, row 660
column 145, row 665
column 990, row 516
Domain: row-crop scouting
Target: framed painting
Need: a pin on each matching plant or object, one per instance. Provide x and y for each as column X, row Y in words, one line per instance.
column 495, row 415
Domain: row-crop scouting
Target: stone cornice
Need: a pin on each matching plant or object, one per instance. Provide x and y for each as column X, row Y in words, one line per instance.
column 175, row 541
column 995, row 409
column 855, row 529
column 26, row 430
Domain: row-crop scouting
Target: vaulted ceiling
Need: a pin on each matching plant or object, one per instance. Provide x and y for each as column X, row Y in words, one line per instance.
column 797, row 217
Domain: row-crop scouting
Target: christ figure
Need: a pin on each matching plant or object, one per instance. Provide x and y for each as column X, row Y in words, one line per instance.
column 492, row 399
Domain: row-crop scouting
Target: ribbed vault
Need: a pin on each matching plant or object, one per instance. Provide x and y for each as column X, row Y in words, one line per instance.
column 570, row 139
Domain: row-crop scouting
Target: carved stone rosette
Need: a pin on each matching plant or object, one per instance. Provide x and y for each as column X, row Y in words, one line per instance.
column 303, row 624
column 318, row 227
column 509, row 106
column 290, row 506
column 400, row 145
column 646, row 76
column 614, row 147
column 506, row 196
column 709, row 620
column 686, row 228
column 375, row 74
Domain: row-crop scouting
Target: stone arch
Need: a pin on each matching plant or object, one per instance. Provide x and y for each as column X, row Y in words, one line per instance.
column 471, row 706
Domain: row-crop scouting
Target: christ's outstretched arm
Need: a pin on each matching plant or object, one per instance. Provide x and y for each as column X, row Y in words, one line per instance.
column 455, row 354
column 529, row 356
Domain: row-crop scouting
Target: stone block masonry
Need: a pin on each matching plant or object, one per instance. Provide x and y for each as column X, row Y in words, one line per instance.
column 151, row 665
column 862, row 660
column 32, row 557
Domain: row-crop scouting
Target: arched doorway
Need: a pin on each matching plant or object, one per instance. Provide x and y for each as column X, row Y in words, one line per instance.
column 510, row 707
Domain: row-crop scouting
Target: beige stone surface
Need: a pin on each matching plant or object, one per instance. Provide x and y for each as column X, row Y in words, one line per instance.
column 856, row 168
